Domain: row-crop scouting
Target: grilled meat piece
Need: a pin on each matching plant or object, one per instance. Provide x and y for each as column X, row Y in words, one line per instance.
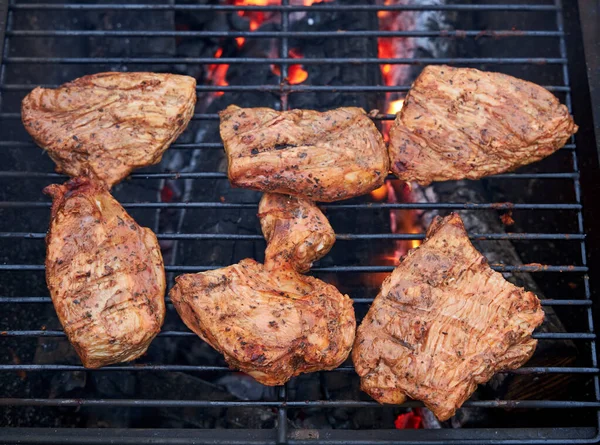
column 105, row 274
column 460, row 123
column 325, row 156
column 272, row 325
column 108, row 124
column 296, row 231
column 443, row 322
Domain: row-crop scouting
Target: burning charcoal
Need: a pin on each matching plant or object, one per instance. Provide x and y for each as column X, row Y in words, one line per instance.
column 429, row 419
column 330, row 74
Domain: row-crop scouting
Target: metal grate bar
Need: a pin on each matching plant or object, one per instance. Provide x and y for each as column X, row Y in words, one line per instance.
column 149, row 403
column 371, row 206
column 52, row 333
column 282, row 419
column 339, row 236
column 268, row 88
column 279, row 60
column 282, row 90
column 223, row 175
column 279, row 34
column 45, row 300
column 17, row 144
column 366, row 269
column 290, row 8
column 199, row 368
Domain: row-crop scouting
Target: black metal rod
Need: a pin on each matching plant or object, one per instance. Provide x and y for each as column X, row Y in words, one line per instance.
column 338, row 269
column 201, row 368
column 150, row 403
column 277, row 88
column 364, row 206
column 339, row 236
column 314, row 7
column 53, row 333
column 223, row 175
column 279, row 34
column 48, row 300
column 181, row 145
column 279, row 60
column 379, row 117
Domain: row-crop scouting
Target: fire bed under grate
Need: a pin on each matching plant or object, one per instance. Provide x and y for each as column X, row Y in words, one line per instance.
column 175, row 394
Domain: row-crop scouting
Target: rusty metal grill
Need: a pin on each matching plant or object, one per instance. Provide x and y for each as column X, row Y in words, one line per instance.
column 20, row 196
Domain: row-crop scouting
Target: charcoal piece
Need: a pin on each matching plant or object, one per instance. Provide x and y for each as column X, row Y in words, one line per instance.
column 244, row 387
column 338, row 74
column 182, row 386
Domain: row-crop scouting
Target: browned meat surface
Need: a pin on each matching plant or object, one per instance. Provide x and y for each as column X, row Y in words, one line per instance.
column 105, row 274
column 325, row 156
column 272, row 325
column 108, row 124
column 461, row 123
column 296, row 231
column 443, row 322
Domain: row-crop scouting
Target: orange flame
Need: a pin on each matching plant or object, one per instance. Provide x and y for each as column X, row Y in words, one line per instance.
column 395, row 106
column 380, row 193
column 402, row 220
column 217, row 73
column 256, row 18
column 296, row 73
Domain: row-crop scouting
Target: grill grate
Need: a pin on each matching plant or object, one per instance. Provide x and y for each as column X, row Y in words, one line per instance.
column 15, row 82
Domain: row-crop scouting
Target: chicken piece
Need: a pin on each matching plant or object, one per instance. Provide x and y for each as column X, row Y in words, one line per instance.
column 327, row 156
column 273, row 325
column 459, row 123
column 296, row 231
column 105, row 274
column 108, row 124
column 443, row 322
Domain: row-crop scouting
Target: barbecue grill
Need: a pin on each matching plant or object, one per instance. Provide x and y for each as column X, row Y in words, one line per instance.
column 45, row 392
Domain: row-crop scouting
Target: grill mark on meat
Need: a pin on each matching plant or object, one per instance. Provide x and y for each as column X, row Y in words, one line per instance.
column 106, row 125
column 279, row 322
column 115, row 308
column 463, row 320
column 275, row 151
column 461, row 123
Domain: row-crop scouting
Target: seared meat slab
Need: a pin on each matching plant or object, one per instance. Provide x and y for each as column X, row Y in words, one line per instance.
column 296, row 231
column 272, row 325
column 461, row 123
column 108, row 124
column 443, row 322
column 105, row 274
column 325, row 156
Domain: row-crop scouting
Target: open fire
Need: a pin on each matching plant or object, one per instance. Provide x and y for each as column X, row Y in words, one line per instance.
column 393, row 191
column 217, row 73
column 404, row 221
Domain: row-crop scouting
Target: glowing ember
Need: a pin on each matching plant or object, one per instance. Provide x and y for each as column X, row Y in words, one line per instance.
column 379, row 194
column 217, row 72
column 409, row 420
column 402, row 220
column 296, row 73
column 395, row 106
column 256, row 18
column 240, row 41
